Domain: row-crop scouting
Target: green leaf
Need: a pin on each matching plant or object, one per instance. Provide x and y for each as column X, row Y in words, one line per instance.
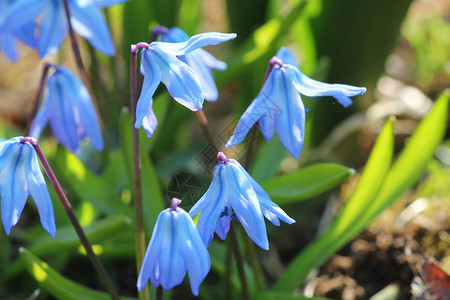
column 368, row 187
column 306, row 183
column 267, row 160
column 89, row 187
column 57, row 285
column 66, row 239
column 153, row 201
column 377, row 189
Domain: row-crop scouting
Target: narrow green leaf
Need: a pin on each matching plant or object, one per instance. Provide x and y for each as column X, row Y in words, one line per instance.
column 306, row 183
column 153, row 201
column 57, row 285
column 368, row 186
column 88, row 186
column 267, row 160
column 66, row 239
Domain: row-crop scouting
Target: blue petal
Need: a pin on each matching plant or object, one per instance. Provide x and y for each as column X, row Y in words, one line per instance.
column 314, row 88
column 7, row 150
column 223, row 225
column 211, row 205
column 180, row 80
column 211, row 61
column 13, row 189
column 204, row 73
column 151, row 258
column 152, row 78
column 264, row 102
column 195, row 42
column 106, row 3
column 42, row 116
column 270, row 210
column 150, row 122
column 267, row 124
column 53, row 28
column 171, row 263
column 26, row 34
column 286, row 57
column 83, row 108
column 62, row 118
column 290, row 124
column 88, row 21
column 22, row 12
column 175, row 35
column 8, row 46
column 196, row 257
column 245, row 204
column 38, row 190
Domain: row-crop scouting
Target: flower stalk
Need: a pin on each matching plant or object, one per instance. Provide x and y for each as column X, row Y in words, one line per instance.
column 137, row 180
column 73, row 219
column 79, row 60
column 38, row 94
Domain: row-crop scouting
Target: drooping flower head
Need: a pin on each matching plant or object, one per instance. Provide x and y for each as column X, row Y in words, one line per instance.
column 234, row 194
column 160, row 62
column 199, row 60
column 20, row 177
column 68, row 107
column 279, row 107
column 175, row 247
column 8, row 37
column 51, row 24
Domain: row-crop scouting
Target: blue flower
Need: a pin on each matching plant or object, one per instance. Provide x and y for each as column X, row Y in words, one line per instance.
column 234, row 194
column 199, row 60
column 175, row 247
column 86, row 19
column 68, row 106
column 279, row 106
column 20, row 176
column 8, row 38
column 159, row 62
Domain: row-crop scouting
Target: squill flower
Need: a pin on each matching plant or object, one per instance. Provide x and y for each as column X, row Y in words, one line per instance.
column 234, row 194
column 51, row 24
column 159, row 62
column 8, row 38
column 20, row 176
column 199, row 60
column 175, row 247
column 68, row 107
column 279, row 106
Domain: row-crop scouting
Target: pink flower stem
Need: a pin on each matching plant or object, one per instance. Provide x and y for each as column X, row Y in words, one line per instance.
column 38, row 94
column 73, row 218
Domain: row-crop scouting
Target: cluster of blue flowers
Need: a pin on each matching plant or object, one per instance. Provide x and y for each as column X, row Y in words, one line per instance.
column 177, row 245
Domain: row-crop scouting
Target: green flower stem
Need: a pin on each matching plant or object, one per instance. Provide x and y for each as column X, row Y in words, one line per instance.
column 239, row 262
column 73, row 219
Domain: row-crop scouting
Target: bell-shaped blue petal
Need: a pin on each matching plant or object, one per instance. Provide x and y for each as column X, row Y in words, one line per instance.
column 53, row 28
column 21, row 176
column 50, row 24
column 175, row 247
column 68, row 107
column 197, row 41
column 265, row 102
column 282, row 90
column 180, row 80
column 200, row 61
column 161, row 61
column 150, row 122
column 152, row 78
column 233, row 194
column 88, row 21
